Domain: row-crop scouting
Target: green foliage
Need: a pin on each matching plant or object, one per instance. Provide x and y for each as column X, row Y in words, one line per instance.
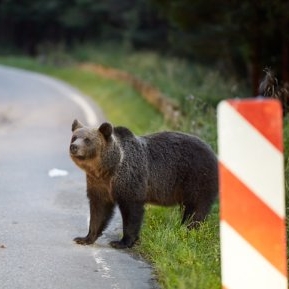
column 176, row 77
column 26, row 24
column 242, row 38
column 241, row 23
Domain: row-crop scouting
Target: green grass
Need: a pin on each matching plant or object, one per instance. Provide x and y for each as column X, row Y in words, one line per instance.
column 181, row 259
column 184, row 259
column 121, row 104
column 175, row 77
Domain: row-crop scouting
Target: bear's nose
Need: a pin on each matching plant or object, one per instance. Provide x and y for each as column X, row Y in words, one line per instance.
column 73, row 148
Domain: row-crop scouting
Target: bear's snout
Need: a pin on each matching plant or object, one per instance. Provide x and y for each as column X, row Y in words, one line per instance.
column 73, row 149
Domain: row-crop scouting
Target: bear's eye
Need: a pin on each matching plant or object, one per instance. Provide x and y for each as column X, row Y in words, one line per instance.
column 73, row 139
column 87, row 141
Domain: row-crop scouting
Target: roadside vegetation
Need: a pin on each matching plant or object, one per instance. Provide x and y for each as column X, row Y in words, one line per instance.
column 182, row 259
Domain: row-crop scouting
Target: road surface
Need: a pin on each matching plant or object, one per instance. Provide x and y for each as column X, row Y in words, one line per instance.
column 43, row 202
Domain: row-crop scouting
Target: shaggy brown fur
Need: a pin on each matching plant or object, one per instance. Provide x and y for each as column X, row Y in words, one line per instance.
column 165, row 168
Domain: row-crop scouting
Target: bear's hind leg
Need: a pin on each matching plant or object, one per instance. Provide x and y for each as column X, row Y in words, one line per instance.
column 132, row 216
column 193, row 217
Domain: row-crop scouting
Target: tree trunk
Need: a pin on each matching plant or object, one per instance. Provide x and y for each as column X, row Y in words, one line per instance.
column 255, row 68
column 285, row 61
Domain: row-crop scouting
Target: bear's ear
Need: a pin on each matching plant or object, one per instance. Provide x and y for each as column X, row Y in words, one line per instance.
column 106, row 130
column 76, row 124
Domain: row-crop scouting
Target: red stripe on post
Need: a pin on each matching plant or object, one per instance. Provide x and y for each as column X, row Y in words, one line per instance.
column 268, row 120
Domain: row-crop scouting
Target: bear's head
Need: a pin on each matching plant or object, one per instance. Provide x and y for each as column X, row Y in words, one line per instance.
column 94, row 149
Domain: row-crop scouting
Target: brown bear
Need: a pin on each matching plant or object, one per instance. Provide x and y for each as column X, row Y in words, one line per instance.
column 165, row 168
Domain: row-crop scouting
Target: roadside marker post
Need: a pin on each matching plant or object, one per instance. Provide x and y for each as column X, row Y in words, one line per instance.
column 252, row 194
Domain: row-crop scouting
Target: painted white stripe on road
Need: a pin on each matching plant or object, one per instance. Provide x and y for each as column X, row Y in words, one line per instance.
column 248, row 158
column 91, row 117
column 243, row 267
column 78, row 99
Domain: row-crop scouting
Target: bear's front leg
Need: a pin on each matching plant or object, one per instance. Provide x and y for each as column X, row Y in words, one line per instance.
column 132, row 216
column 100, row 214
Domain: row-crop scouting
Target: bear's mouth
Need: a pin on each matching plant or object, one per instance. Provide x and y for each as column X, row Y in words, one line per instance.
column 81, row 158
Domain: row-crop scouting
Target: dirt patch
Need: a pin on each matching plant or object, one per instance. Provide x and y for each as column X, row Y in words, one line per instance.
column 7, row 118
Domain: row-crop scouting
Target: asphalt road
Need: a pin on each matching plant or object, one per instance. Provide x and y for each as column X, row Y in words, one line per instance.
column 43, row 209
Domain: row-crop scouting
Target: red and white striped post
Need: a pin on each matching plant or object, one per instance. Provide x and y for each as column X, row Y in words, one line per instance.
column 252, row 197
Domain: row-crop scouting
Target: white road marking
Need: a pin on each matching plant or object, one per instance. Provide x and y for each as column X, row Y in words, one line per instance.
column 65, row 90
column 103, row 268
column 76, row 97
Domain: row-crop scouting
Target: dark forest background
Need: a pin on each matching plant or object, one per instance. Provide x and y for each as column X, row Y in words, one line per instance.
column 240, row 37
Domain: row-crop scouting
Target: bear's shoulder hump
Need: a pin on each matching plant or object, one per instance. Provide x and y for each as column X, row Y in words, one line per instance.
column 123, row 132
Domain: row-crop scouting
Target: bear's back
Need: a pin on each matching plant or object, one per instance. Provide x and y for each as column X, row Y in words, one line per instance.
column 177, row 146
column 178, row 160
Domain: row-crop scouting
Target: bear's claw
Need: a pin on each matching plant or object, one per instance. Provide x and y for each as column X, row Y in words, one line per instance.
column 123, row 244
column 119, row 245
column 82, row 241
